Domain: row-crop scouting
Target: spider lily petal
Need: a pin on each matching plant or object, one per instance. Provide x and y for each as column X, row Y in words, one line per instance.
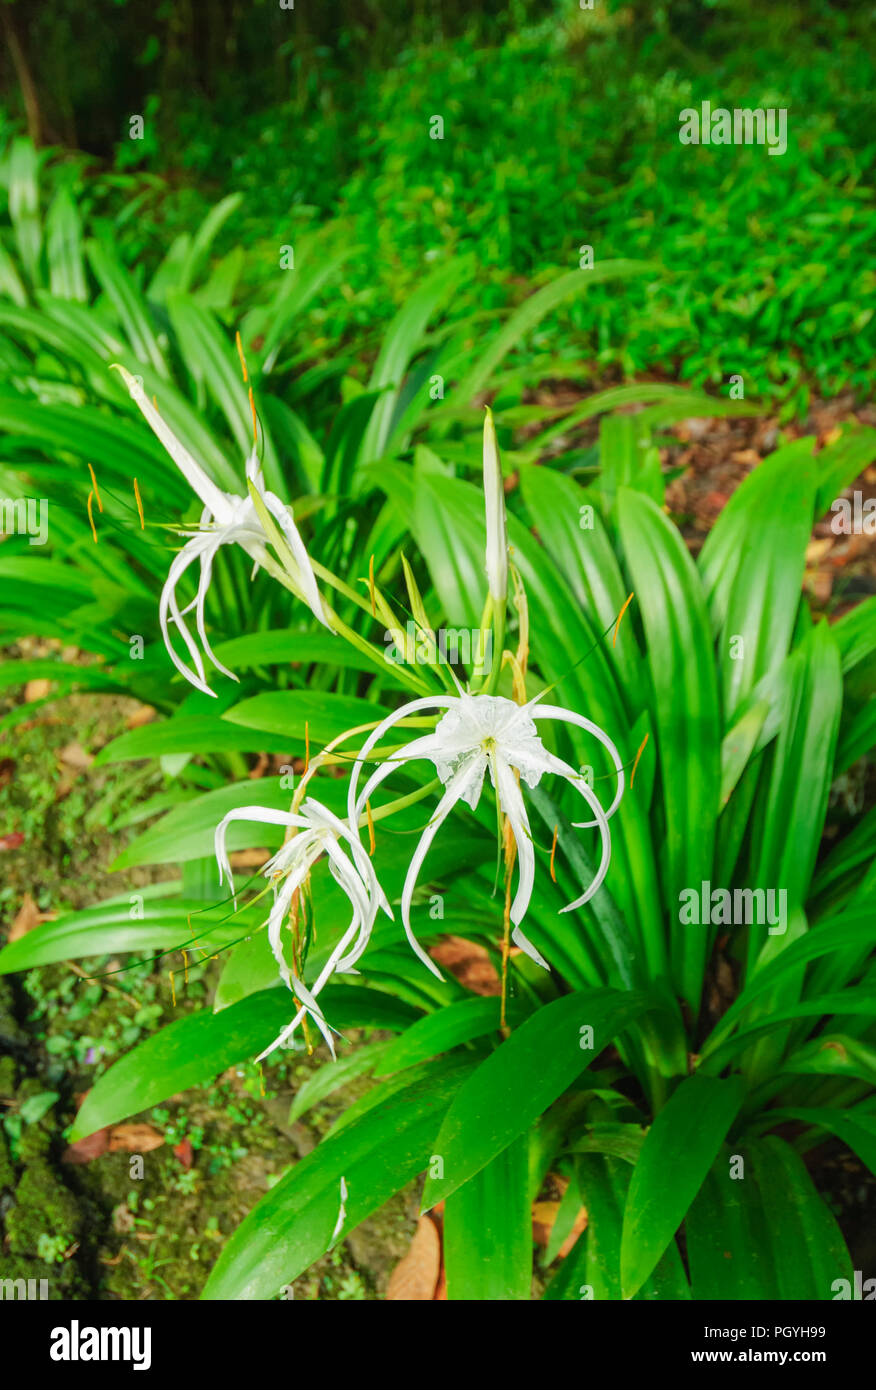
column 462, row 782
column 168, row 605
column 212, row 496
column 318, row 832
column 226, row 520
column 355, row 806
column 568, row 716
column 475, row 733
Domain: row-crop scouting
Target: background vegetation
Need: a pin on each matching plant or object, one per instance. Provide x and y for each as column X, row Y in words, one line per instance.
column 265, row 128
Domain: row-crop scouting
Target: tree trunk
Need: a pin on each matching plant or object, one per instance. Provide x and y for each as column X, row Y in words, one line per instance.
column 25, row 78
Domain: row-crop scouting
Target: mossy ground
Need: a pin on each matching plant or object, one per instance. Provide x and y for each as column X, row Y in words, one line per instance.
column 97, row 1230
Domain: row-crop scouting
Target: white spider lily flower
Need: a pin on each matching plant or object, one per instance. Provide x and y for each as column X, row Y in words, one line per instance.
column 227, row 519
column 319, row 832
column 478, row 732
column 342, row 1211
column 497, row 526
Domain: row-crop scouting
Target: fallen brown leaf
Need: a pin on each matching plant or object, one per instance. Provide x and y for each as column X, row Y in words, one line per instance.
column 817, row 549
column 123, row 1221
column 92, row 1146
column 74, row 757
column 248, row 858
column 749, row 456
column 134, row 1139
column 469, row 963
column 415, row 1277
column 12, row 841
column 544, row 1214
column 144, row 715
column 27, row 917
column 183, row 1151
column 36, row 690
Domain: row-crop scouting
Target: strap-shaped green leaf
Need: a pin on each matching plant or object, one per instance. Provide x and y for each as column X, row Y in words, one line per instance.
column 524, row 1076
column 670, row 599
column 678, row 1152
column 591, row 1270
column 299, row 1219
column 488, row 1231
column 759, row 1230
column 194, row 1049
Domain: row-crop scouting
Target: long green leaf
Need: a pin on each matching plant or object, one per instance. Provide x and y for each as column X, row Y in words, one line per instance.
column 488, row 1231
column 678, row 1151
column 298, row 1220
column 522, row 1078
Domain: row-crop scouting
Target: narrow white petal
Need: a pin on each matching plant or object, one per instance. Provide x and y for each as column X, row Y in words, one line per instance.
column 494, row 502
column 262, row 814
column 569, row 717
column 456, row 790
column 426, row 747
column 332, row 964
column 181, row 562
column 412, row 707
column 310, row 1007
column 526, row 946
column 306, row 577
column 309, row 853
column 360, row 857
column 212, row 496
column 342, row 1214
column 206, row 575
column 511, row 803
column 347, row 878
column 563, row 769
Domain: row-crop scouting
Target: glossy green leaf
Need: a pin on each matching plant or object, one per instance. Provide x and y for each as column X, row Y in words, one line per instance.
column 298, row 1219
column 591, row 1270
column 333, row 1076
column 752, row 567
column 132, row 924
column 523, row 1077
column 287, row 711
column 856, row 1128
column 762, row 1231
column 194, row 1049
column 685, row 712
column 678, row 1152
column 488, row 1231
column 449, row 1027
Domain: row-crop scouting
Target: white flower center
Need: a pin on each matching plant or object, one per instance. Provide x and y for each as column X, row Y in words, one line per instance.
column 485, row 726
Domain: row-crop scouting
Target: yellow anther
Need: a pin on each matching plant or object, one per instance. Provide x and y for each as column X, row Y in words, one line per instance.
column 638, row 756
column 619, row 616
column 139, row 506
column 96, row 488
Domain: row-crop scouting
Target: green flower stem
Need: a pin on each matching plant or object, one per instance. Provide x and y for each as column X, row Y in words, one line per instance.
column 498, row 628
column 399, row 804
column 403, row 675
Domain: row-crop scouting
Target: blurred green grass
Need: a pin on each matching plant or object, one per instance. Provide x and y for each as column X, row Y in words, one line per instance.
column 559, row 130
